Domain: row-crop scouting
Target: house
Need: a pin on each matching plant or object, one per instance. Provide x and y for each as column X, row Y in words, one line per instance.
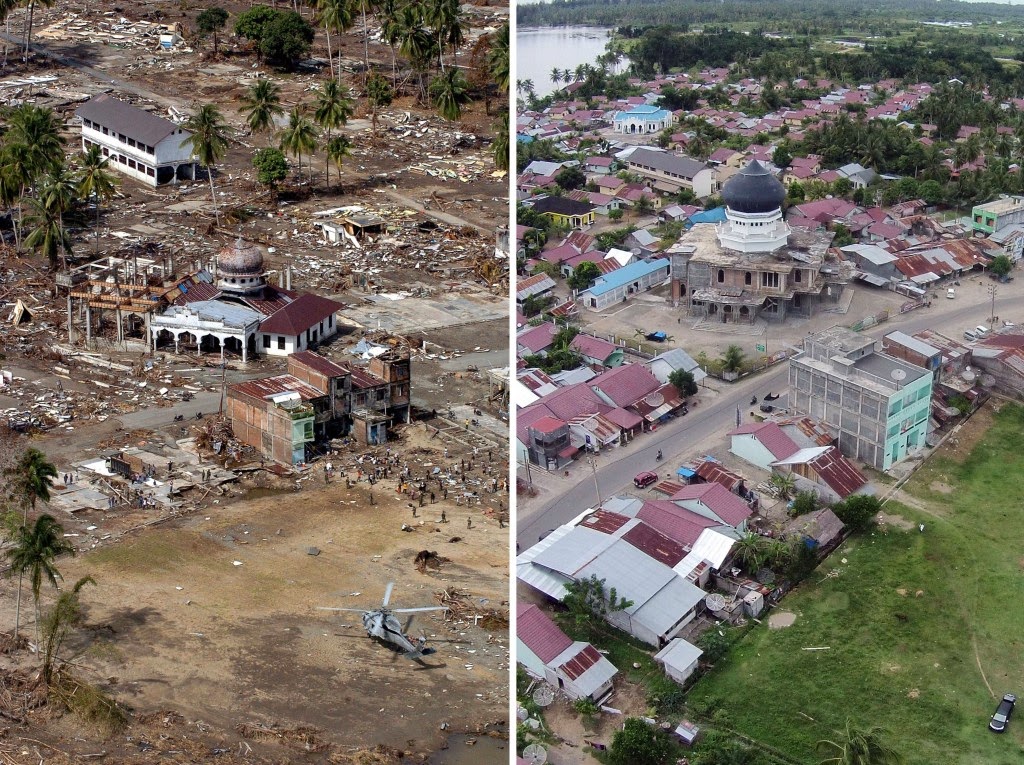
column 992, row 216
column 564, row 211
column 625, row 385
column 574, row 667
column 598, row 165
column 825, row 471
column 761, row 443
column 877, row 266
column 664, row 364
column 715, row 502
column 679, row 659
column 819, row 530
column 617, row 286
column 878, row 404
column 139, row 144
column 597, row 352
column 536, row 340
column 303, row 323
column 642, row 119
column 753, row 264
column 538, row 286
column 671, row 172
column 860, row 176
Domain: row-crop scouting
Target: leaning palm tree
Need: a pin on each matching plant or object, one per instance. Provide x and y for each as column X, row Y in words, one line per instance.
column 262, row 103
column 338, row 148
column 332, row 111
column 299, row 137
column 858, row 746
column 33, row 552
column 96, row 182
column 208, row 142
column 449, row 94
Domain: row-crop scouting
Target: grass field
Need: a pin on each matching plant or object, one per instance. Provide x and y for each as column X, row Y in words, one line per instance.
column 918, row 626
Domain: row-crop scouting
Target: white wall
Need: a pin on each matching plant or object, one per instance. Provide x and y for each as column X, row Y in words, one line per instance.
column 747, row 447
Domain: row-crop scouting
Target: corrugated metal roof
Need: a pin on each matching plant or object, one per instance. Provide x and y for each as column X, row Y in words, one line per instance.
column 678, row 523
column 604, row 521
column 127, row 119
column 714, row 545
column 622, row 276
column 627, row 384
column 673, row 601
column 655, row 544
column 714, row 472
column 318, row 363
column 635, row 575
column 596, row 671
column 301, row 314
column 841, row 475
column 678, row 654
column 581, row 662
column 270, row 386
column 229, row 314
column 539, row 633
column 574, row 551
column 719, row 500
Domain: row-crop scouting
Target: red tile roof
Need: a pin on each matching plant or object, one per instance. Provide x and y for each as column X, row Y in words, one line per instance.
column 537, row 338
column 592, row 347
column 547, row 425
column 718, row 499
column 539, row 633
column 679, row 524
column 624, row 418
column 627, row 384
column 300, row 314
column 272, row 299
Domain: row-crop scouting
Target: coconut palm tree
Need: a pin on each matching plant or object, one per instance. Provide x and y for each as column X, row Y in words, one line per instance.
column 389, row 12
column 39, row 131
column 750, row 551
column 858, row 746
column 332, row 111
column 336, row 16
column 445, row 17
column 556, row 76
column 56, row 194
column 96, row 182
column 498, row 57
column 784, row 484
column 416, row 43
column 262, row 103
column 28, row 23
column 47, row 234
column 733, row 358
column 33, row 552
column 449, row 94
column 299, row 137
column 364, row 6
column 209, row 142
column 337, row 149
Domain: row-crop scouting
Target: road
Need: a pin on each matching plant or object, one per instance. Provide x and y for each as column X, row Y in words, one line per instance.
column 616, row 468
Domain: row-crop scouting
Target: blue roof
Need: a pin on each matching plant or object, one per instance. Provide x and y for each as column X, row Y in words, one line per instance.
column 522, row 138
column 709, row 216
column 649, row 112
column 685, row 472
column 623, row 276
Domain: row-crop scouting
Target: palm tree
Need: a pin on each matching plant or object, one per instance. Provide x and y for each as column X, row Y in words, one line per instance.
column 501, row 143
column 263, row 102
column 337, row 149
column 858, row 746
column 498, row 57
column 57, row 193
column 208, row 142
column 416, row 42
column 733, row 358
column 332, row 111
column 445, row 16
column 389, row 12
column 28, row 23
column 47, row 235
column 65, row 614
column 95, row 181
column 39, row 131
column 556, row 76
column 363, row 6
column 335, row 15
column 300, row 136
column 449, row 92
column 33, row 552
column 750, row 551
column 784, row 484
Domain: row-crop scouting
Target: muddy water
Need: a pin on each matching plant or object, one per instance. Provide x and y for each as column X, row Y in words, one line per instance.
column 485, row 751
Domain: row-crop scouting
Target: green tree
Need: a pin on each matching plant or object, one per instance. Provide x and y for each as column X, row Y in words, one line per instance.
column 338, row 148
column 732, row 359
column 588, row 602
column 583, row 275
column 336, row 16
column 209, row 143
column 784, row 484
column 858, row 746
column 498, row 57
column 96, row 182
column 843, row 236
column 500, row 147
column 332, row 110
column 210, row 22
column 34, row 550
column 59, row 620
column 299, row 137
column 379, row 95
column 750, row 551
column 858, row 511
column 570, row 178
column 271, row 166
column 640, row 744
column 287, row 39
column 714, row 644
column 47, row 234
column 1001, row 265
column 252, row 25
column 683, row 381
column 803, row 503
column 262, row 103
column 781, row 157
column 448, row 92
column 615, row 214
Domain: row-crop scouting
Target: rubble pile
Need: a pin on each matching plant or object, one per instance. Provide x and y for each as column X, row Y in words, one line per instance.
column 461, row 610
column 110, row 28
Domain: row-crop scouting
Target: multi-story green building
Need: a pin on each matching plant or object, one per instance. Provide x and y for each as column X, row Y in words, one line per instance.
column 878, row 404
column 992, row 216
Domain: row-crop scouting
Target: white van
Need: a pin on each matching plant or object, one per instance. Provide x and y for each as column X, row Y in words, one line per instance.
column 951, row 293
column 981, row 330
column 970, row 335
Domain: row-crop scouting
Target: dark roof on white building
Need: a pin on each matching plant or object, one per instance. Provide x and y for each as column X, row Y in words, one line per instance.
column 126, row 119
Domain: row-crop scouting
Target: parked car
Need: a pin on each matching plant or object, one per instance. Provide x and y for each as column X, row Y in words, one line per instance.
column 951, row 293
column 766, row 408
column 970, row 335
column 656, row 337
column 1002, row 714
column 644, row 479
column 981, row 331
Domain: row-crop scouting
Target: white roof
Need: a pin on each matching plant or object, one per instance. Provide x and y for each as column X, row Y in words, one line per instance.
column 678, row 654
column 713, row 546
column 803, row 456
column 622, row 257
column 909, row 341
column 872, row 253
column 521, row 395
column 596, row 676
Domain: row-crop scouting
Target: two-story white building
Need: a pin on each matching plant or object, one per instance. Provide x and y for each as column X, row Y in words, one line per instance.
column 141, row 145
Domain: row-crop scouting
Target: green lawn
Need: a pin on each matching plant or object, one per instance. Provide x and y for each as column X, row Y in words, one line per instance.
column 902, row 661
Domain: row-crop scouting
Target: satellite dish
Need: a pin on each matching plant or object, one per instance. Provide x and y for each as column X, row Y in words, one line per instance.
column 544, row 695
column 535, row 754
column 899, row 375
column 655, row 399
column 967, row 375
column 715, row 602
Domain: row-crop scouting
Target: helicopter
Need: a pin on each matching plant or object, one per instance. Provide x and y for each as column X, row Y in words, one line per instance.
column 381, row 623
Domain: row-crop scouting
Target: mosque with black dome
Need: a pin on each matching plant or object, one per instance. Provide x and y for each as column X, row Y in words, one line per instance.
column 753, row 265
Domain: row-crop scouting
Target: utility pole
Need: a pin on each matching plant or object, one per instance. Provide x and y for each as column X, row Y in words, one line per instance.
column 992, row 289
column 593, row 467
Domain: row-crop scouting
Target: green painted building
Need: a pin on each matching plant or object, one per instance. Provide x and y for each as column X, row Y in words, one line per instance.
column 992, row 216
column 879, row 405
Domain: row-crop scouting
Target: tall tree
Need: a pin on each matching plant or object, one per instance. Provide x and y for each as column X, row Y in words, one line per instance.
column 416, row 43
column 28, row 23
column 299, row 136
column 210, row 22
column 96, row 182
column 65, row 614
column 389, row 12
column 335, row 16
column 209, row 143
column 858, row 746
column 449, row 93
column 365, row 6
column 338, row 148
column 262, row 103
column 498, row 57
column 34, row 551
column 379, row 95
column 332, row 111
column 500, row 147
column 445, row 17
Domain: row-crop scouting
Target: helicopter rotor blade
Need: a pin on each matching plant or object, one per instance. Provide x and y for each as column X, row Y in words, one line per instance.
column 328, row 608
column 407, row 623
column 387, row 593
column 417, row 610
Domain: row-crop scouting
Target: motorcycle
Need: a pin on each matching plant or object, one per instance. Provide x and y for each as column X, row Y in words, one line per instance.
column 199, row 415
column 658, row 458
column 753, row 400
column 179, row 417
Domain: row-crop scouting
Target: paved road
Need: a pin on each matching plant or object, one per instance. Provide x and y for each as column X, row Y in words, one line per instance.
column 563, row 499
column 150, row 418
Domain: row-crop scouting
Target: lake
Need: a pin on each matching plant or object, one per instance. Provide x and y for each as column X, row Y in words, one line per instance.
column 539, row 50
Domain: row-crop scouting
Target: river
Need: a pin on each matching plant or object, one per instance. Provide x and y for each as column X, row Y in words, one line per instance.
column 539, row 50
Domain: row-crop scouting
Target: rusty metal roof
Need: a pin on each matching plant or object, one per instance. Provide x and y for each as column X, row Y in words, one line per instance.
column 271, row 386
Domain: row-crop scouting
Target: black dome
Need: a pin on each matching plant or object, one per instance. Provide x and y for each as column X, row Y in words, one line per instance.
column 753, row 190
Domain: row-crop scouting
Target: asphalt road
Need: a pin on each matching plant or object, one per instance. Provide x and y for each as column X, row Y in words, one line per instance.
column 616, row 468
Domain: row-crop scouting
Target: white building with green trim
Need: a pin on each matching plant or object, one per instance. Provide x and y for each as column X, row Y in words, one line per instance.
column 878, row 404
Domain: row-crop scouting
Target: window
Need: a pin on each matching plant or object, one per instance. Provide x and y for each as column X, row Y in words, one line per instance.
column 770, row 279
column 721, row 275
column 150, row 172
column 330, row 320
column 748, row 278
column 798, row 276
column 280, row 342
column 266, row 341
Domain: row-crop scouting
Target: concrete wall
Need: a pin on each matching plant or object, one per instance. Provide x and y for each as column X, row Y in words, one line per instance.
column 748, row 448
